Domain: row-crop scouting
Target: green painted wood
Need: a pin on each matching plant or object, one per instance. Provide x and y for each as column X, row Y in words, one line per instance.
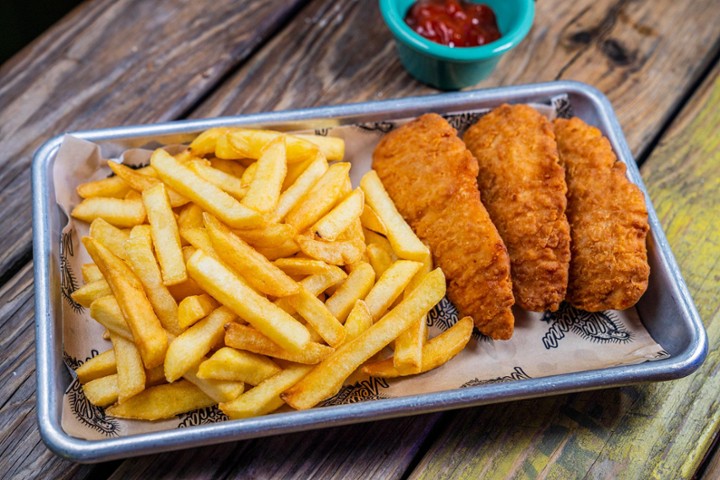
column 659, row 430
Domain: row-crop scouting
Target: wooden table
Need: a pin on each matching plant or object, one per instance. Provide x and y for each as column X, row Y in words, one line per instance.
column 120, row 62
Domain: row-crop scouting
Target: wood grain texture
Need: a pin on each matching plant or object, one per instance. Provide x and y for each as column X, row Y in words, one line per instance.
column 660, row 430
column 102, row 66
column 636, row 52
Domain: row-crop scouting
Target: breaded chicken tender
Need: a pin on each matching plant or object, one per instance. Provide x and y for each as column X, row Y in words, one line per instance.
column 431, row 177
column 522, row 185
column 608, row 220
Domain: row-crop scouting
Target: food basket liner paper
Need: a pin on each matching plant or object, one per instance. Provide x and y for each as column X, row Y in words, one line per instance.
column 544, row 344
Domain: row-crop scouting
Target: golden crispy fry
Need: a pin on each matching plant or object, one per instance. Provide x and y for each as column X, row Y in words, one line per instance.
column 356, row 286
column 162, row 401
column 359, row 319
column 208, row 196
column 231, row 167
column 165, row 235
column 341, row 217
column 114, row 187
column 321, row 198
column 193, row 308
column 302, row 266
column 264, row 191
column 98, row 366
column 90, row 292
column 327, row 378
column 271, row 235
column 109, row 235
column 247, row 338
column 403, row 240
column 200, row 240
column 436, row 351
column 372, row 221
column 117, row 211
column 334, row 253
column 608, row 220
column 256, row 269
column 189, row 347
column 141, row 259
column 379, row 259
column 317, row 315
column 237, row 365
column 333, row 148
column 190, row 217
column 522, row 186
column 129, row 365
column 142, row 180
column 90, row 273
column 102, row 391
column 294, row 193
column 409, row 345
column 442, row 204
column 265, row 397
column 204, row 144
column 390, row 285
column 225, row 182
column 145, row 326
column 231, row 291
column 218, row 390
column 248, row 143
column 106, row 311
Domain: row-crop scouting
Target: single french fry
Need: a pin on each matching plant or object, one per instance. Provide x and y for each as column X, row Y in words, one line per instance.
column 98, row 366
column 379, row 258
column 102, row 391
column 148, row 334
column 302, row 266
column 106, row 311
column 200, row 240
column 264, row 191
column 237, row 365
column 318, row 283
column 372, row 221
column 187, row 349
column 114, row 187
column 225, row 182
column 231, row 167
column 227, row 288
column 91, row 273
column 186, row 182
column 109, row 235
column 437, row 351
column 218, row 390
column 355, row 287
column 390, row 285
column 142, row 261
column 317, row 315
column 165, row 234
column 120, row 212
column 359, row 319
column 265, row 397
column 190, row 217
column 141, row 181
column 341, row 217
column 271, row 235
column 334, row 253
column 244, row 337
column 332, row 147
column 193, row 308
column 321, row 198
column 403, row 240
column 90, row 292
column 409, row 345
column 283, row 250
column 326, row 379
column 162, row 401
column 130, row 370
column 256, row 269
column 295, row 192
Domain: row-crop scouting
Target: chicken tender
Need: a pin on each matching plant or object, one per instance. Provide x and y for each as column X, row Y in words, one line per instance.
column 431, row 177
column 608, row 220
column 522, row 185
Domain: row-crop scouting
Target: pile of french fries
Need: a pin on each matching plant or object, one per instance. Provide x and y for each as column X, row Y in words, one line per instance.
column 246, row 271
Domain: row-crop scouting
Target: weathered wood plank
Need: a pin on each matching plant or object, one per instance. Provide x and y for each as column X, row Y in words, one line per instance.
column 100, row 66
column 643, row 54
column 660, row 430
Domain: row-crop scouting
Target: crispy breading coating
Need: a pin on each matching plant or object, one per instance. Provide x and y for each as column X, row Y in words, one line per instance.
column 608, row 220
column 431, row 177
column 522, row 185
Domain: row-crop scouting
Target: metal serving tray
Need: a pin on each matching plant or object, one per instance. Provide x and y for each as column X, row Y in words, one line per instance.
column 666, row 310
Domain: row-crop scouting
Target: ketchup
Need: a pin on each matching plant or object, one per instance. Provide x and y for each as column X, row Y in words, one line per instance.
column 455, row 23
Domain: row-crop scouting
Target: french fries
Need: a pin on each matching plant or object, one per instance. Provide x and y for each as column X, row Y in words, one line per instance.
column 247, row 272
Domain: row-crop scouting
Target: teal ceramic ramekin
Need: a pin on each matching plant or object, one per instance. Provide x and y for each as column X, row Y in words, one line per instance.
column 453, row 68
